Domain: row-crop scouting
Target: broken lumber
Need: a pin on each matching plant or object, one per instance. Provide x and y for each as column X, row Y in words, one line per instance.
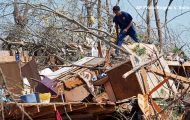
column 73, row 82
column 170, row 75
column 140, row 66
column 76, row 95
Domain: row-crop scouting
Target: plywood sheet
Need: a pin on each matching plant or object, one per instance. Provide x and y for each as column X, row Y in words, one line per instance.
column 110, row 91
column 11, row 71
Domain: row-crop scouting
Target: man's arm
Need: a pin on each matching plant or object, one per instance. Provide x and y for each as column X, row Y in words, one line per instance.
column 130, row 18
column 117, row 31
column 127, row 28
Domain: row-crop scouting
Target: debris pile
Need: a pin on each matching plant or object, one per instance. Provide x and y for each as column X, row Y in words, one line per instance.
column 144, row 86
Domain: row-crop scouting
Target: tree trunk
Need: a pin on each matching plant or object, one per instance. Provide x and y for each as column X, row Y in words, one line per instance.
column 89, row 9
column 99, row 11
column 109, row 20
column 20, row 20
column 149, row 2
column 20, row 23
column 155, row 3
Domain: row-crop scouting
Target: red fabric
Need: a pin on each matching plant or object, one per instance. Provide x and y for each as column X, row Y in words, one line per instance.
column 57, row 115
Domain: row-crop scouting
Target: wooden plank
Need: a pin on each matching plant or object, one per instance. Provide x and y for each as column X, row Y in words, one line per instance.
column 158, row 86
column 145, row 80
column 48, row 109
column 176, row 63
column 170, row 75
column 137, row 73
column 143, row 102
column 144, row 105
column 110, row 91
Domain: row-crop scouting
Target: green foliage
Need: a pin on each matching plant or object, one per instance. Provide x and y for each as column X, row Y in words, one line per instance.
column 140, row 36
column 162, row 91
column 176, row 50
column 139, row 51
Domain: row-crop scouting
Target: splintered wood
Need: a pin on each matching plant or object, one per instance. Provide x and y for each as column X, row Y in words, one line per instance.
column 144, row 105
column 170, row 75
column 103, row 97
column 73, row 82
column 76, row 95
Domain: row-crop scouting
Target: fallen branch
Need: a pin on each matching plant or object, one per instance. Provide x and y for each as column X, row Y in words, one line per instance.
column 14, row 43
column 174, row 101
column 61, row 15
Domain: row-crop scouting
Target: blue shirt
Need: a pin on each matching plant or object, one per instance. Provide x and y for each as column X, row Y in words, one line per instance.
column 123, row 21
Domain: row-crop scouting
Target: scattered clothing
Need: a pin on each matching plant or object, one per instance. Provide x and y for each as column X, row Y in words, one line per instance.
column 57, row 115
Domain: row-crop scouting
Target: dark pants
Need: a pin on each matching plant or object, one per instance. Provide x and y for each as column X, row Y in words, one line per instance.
column 121, row 37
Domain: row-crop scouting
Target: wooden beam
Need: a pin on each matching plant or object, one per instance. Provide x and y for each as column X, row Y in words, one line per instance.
column 176, row 63
column 136, row 68
column 170, row 75
column 145, row 80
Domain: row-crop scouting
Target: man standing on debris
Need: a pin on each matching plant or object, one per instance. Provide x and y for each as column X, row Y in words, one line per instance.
column 124, row 21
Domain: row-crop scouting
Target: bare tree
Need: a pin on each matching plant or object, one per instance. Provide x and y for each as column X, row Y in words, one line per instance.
column 89, row 6
column 148, row 18
column 109, row 22
column 155, row 3
column 15, row 34
column 99, row 11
